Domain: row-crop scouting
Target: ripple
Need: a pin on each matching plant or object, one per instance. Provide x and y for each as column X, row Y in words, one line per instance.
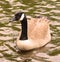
column 8, row 30
column 55, row 58
column 55, row 11
column 49, row 6
column 5, row 38
column 55, row 23
column 53, row 0
column 56, row 17
column 19, row 4
column 42, row 55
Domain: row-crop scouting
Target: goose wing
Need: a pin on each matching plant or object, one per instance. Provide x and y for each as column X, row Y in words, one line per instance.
column 38, row 28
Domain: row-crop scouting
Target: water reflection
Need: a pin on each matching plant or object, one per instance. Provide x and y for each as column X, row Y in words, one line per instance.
column 9, row 32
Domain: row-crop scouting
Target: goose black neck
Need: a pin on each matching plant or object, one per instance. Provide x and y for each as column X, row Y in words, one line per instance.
column 24, row 29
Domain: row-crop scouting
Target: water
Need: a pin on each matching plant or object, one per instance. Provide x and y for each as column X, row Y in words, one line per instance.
column 9, row 32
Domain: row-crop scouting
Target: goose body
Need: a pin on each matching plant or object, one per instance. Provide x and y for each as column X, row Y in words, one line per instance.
column 35, row 33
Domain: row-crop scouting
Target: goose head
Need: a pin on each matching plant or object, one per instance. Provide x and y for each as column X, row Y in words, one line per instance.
column 19, row 16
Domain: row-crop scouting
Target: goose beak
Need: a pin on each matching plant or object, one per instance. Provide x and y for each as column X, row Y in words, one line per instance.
column 12, row 20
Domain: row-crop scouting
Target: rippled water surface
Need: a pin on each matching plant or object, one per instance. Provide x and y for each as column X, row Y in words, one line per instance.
column 9, row 31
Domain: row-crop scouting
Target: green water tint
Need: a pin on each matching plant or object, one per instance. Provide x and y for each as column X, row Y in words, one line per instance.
column 8, row 33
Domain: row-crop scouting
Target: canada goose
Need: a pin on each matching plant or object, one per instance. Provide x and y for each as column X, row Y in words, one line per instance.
column 35, row 32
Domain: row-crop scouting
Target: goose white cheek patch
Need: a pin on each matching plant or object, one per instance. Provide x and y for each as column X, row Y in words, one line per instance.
column 22, row 17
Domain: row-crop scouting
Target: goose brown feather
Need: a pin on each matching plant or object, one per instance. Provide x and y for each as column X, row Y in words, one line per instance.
column 38, row 34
